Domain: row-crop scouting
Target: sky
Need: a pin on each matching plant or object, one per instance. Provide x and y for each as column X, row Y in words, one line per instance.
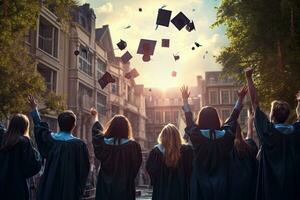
column 119, row 14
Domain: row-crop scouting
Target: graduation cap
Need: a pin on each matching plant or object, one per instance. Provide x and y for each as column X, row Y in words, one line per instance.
column 127, row 27
column 190, row 26
column 140, row 9
column 126, row 57
column 146, row 48
column 106, row 79
column 132, row 74
column 180, row 21
column 197, row 44
column 163, row 17
column 76, row 52
column 174, row 73
column 122, row 44
column 176, row 57
column 193, row 48
column 165, row 43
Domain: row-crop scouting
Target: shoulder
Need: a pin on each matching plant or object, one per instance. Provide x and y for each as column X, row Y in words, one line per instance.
column 25, row 142
column 134, row 143
column 186, row 148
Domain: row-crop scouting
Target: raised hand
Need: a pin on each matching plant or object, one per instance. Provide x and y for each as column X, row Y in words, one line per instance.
column 185, row 93
column 249, row 72
column 242, row 93
column 250, row 116
column 93, row 112
column 32, row 102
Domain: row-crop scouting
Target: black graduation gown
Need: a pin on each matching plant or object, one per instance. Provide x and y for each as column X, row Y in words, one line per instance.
column 243, row 173
column 67, row 166
column 170, row 183
column 210, row 175
column 119, row 167
column 16, row 165
column 279, row 164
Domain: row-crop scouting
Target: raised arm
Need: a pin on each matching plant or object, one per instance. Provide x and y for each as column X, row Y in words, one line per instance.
column 231, row 122
column 34, row 110
column 251, row 88
column 250, row 125
column 97, row 134
column 186, row 107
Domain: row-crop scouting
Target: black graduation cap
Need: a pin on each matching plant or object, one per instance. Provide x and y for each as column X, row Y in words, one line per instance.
column 146, row 48
column 190, row 26
column 132, row 74
column 106, row 79
column 193, row 48
column 163, row 17
column 165, row 43
column 197, row 44
column 126, row 57
column 76, row 52
column 122, row 44
column 140, row 9
column 180, row 21
column 176, row 57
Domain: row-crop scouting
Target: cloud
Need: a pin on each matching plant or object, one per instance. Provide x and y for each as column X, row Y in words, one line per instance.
column 105, row 8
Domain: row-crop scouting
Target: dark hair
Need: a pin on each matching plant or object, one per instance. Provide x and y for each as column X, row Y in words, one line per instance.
column 18, row 126
column 241, row 147
column 118, row 127
column 66, row 120
column 208, row 118
column 280, row 111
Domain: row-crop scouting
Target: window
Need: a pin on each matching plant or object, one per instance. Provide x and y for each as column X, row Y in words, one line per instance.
column 101, row 68
column 85, row 60
column 213, row 97
column 175, row 117
column 225, row 113
column 49, row 76
column 114, row 110
column 158, row 117
column 234, row 96
column 168, row 117
column 101, row 104
column 115, row 86
column 85, row 96
column 48, row 37
column 150, row 115
column 82, row 21
column 225, row 96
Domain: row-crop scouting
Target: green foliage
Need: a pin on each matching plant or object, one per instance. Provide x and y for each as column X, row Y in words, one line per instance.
column 18, row 76
column 264, row 34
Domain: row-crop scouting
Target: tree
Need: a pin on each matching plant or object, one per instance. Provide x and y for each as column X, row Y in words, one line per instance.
column 18, row 76
column 266, row 35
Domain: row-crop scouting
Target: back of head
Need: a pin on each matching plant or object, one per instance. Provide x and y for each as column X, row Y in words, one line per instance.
column 208, row 118
column 280, row 111
column 171, row 139
column 18, row 126
column 66, row 121
column 119, row 127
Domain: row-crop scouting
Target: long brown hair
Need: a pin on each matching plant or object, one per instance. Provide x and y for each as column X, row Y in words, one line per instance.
column 118, row 127
column 171, row 140
column 18, row 126
column 242, row 148
column 208, row 118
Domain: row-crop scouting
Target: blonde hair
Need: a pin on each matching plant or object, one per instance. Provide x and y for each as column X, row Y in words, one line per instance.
column 171, row 140
column 280, row 111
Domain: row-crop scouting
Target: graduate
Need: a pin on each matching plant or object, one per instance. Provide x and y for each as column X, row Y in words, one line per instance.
column 18, row 159
column 170, row 165
column 67, row 158
column 243, row 164
column 212, row 145
column 120, row 158
column 279, row 159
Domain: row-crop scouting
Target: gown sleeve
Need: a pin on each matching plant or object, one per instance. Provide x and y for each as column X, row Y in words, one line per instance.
column 42, row 134
column 187, row 159
column 137, row 159
column 153, row 165
column 231, row 123
column 97, row 140
column 264, row 128
column 30, row 158
column 84, row 167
